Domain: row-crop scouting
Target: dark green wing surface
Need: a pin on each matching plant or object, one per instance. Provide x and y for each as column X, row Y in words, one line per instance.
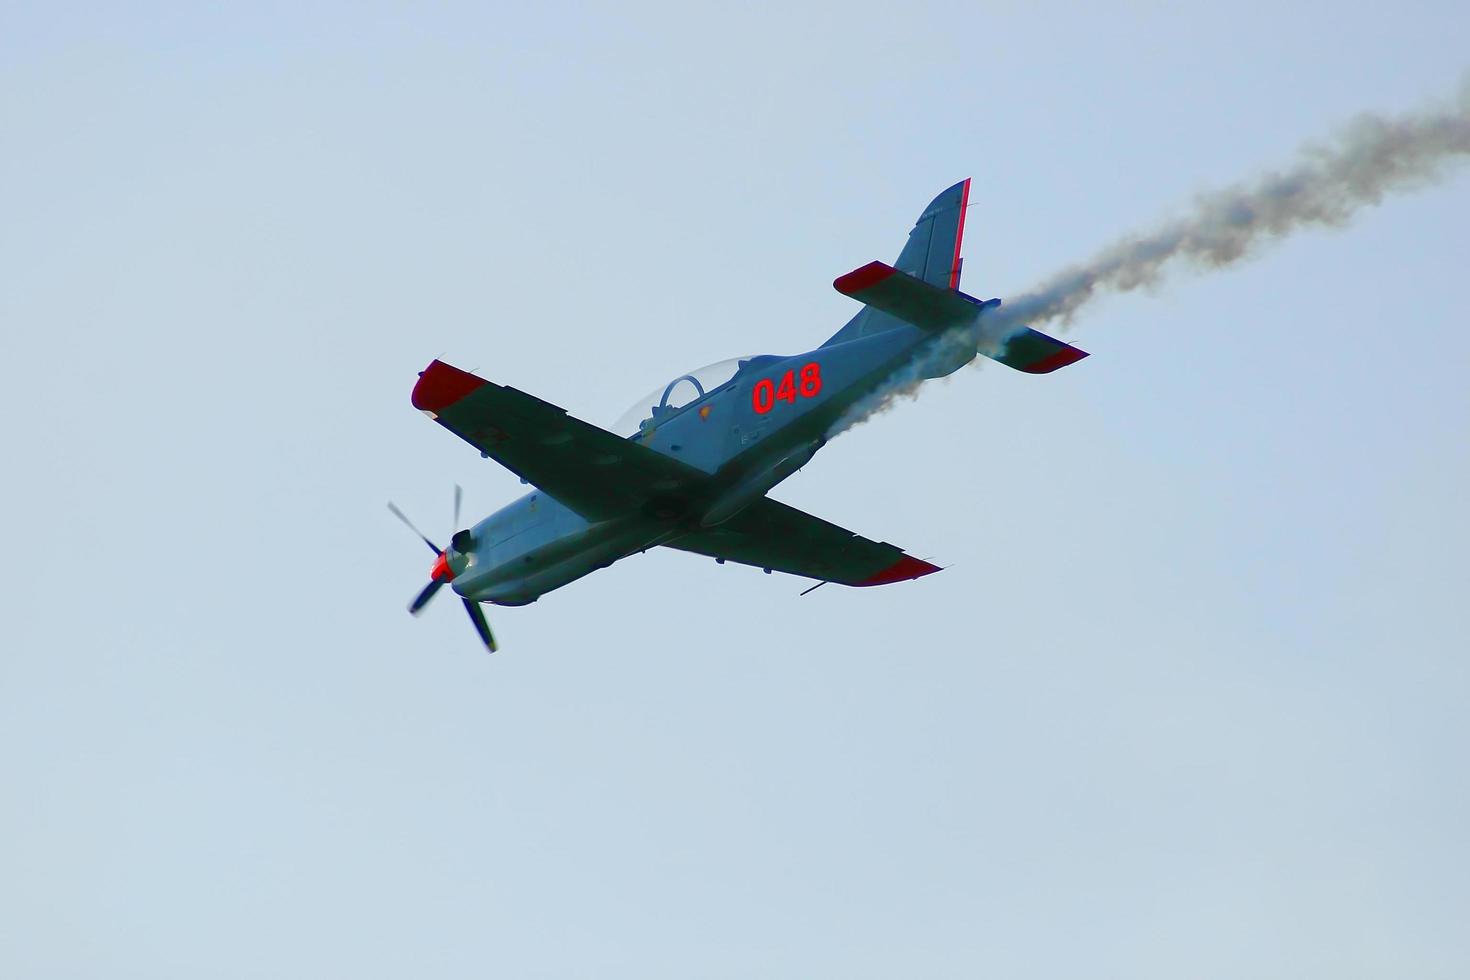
column 595, row 473
column 769, row 534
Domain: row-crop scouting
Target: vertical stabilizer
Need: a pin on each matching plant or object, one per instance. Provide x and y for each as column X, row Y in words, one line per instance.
column 932, row 252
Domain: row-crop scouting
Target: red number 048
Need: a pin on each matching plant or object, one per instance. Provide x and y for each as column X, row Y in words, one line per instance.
column 768, row 391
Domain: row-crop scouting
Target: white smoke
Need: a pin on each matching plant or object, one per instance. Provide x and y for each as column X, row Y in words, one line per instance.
column 951, row 347
column 1329, row 182
column 1368, row 158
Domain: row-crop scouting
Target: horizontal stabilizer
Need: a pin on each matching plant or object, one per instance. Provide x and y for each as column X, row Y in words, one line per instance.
column 1035, row 353
column 935, row 308
column 907, row 297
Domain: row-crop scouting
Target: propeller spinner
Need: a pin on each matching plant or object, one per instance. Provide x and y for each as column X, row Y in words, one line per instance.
column 440, row 572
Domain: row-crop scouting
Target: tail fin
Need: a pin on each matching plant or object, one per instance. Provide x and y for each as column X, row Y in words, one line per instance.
column 931, row 254
column 933, row 249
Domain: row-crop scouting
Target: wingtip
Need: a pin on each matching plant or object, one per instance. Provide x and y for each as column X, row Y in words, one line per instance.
column 906, row 568
column 1067, row 355
column 441, row 385
column 863, row 278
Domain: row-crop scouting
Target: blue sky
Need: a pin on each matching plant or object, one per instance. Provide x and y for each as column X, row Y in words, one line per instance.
column 1187, row 701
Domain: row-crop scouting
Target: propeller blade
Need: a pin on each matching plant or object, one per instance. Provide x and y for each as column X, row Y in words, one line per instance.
column 458, row 496
column 477, row 616
column 422, row 599
column 404, row 518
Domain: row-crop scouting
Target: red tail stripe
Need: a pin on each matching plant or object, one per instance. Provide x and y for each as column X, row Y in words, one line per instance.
column 959, row 237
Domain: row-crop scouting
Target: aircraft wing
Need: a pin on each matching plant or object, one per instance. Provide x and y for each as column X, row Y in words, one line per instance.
column 594, row 472
column 769, row 534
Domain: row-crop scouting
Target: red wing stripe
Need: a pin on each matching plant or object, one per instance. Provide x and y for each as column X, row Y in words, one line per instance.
column 441, row 385
column 902, row 570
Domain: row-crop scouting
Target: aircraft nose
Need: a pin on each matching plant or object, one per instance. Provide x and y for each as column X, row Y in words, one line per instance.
column 441, row 572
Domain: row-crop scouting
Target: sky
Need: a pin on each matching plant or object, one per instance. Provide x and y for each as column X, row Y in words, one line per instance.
column 1188, row 699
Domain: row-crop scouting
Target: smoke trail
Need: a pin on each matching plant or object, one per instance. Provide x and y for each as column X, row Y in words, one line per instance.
column 1369, row 158
column 948, row 349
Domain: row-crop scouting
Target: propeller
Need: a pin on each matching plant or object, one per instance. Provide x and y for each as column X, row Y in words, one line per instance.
column 441, row 573
column 422, row 536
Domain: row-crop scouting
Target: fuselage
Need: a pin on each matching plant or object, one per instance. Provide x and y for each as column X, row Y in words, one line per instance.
column 748, row 434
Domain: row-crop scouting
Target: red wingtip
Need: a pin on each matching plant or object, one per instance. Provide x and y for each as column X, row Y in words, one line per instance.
column 907, row 567
column 860, row 279
column 441, row 385
column 1063, row 357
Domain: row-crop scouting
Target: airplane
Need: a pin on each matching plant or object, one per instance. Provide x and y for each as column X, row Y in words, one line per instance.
column 694, row 472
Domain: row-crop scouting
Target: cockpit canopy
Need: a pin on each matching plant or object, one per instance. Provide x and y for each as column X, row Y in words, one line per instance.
column 681, row 392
